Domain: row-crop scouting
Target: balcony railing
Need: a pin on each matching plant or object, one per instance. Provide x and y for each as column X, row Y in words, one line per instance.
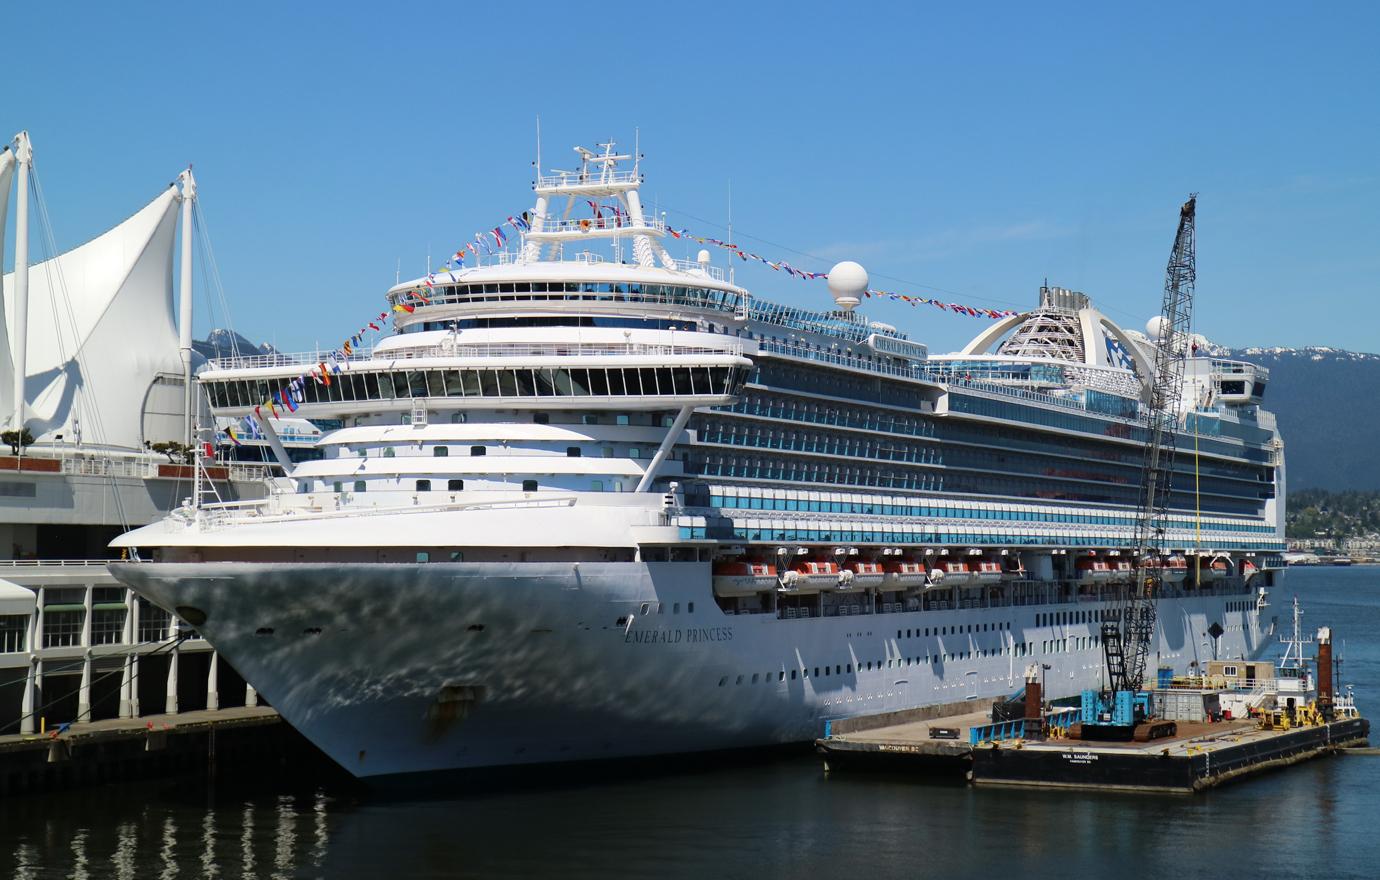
column 729, row 346
column 132, row 465
column 575, row 178
column 599, row 224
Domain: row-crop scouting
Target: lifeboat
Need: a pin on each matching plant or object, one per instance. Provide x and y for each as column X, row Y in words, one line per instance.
column 1175, row 569
column 859, row 576
column 988, row 571
column 1092, row 570
column 810, row 576
column 1219, row 568
column 1123, row 572
column 1248, row 569
column 743, row 578
column 905, row 575
column 957, row 574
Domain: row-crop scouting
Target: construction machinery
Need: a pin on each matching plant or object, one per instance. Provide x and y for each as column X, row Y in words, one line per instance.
column 1123, row 710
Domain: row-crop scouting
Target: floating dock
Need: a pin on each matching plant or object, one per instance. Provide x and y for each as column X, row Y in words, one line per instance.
column 1200, row 756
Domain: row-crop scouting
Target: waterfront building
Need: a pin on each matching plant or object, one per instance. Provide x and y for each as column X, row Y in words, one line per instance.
column 95, row 355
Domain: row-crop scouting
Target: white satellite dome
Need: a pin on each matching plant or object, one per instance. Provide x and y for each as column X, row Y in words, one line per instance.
column 847, row 282
column 1157, row 328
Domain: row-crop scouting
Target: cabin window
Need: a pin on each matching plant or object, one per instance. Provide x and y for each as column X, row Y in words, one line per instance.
column 389, row 453
column 596, row 485
column 572, row 452
column 423, row 556
column 455, row 485
column 335, row 487
column 457, row 556
column 478, row 450
column 1229, row 671
column 423, row 485
column 359, row 485
column 440, row 451
column 634, row 452
column 529, row 485
column 458, row 418
column 541, row 418
column 622, row 419
column 589, row 419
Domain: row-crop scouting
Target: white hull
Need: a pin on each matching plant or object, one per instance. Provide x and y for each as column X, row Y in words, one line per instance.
column 571, row 668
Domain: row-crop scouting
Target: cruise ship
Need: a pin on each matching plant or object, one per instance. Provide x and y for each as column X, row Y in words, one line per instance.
column 590, row 501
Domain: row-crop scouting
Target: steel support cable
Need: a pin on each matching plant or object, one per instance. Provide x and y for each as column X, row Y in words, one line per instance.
column 212, row 268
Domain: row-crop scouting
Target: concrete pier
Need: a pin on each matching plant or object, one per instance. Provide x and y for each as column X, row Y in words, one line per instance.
column 74, row 755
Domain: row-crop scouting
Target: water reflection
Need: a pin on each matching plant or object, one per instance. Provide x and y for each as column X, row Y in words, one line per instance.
column 766, row 818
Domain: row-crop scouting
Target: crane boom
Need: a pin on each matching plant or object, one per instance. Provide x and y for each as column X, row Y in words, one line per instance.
column 1126, row 641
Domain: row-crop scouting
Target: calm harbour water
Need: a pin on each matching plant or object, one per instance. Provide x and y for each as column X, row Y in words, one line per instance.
column 775, row 817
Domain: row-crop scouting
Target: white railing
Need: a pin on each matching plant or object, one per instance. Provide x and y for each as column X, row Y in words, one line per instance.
column 699, row 268
column 132, row 465
column 54, row 563
column 282, row 508
column 599, row 224
column 600, row 178
column 842, row 360
column 484, row 350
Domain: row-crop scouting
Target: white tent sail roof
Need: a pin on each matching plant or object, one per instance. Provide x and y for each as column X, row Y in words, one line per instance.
column 7, row 169
column 102, row 343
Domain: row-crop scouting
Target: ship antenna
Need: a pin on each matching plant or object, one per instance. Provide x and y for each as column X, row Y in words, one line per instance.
column 397, row 272
column 538, row 145
column 730, row 229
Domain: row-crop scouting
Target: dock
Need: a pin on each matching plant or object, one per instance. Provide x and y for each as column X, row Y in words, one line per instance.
column 75, row 755
column 1201, row 756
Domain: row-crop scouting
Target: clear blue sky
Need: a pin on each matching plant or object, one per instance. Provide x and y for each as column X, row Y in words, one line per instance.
column 976, row 151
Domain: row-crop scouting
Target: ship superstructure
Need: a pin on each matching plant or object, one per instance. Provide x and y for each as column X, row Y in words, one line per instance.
column 588, row 504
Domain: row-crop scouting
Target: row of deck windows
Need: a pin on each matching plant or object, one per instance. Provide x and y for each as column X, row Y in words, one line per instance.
column 865, row 446
column 838, row 383
column 795, row 469
column 724, row 499
column 352, row 385
column 730, row 530
column 1002, row 409
column 788, row 408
